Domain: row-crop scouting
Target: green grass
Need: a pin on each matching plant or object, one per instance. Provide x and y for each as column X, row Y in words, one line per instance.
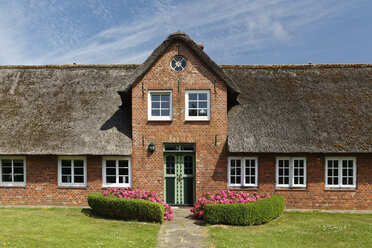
column 69, row 227
column 313, row 229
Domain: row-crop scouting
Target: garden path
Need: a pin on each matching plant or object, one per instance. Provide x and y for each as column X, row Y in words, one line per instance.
column 182, row 231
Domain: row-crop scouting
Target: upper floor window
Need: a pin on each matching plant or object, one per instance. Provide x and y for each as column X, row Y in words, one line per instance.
column 340, row 172
column 116, row 172
column 243, row 171
column 290, row 172
column 197, row 105
column 72, row 171
column 160, row 105
column 12, row 171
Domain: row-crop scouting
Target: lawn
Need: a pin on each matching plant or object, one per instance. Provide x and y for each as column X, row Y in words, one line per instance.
column 313, row 229
column 69, row 227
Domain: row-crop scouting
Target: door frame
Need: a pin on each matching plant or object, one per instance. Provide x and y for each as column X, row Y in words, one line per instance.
column 183, row 154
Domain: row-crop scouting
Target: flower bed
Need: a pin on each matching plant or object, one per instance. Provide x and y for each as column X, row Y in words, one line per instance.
column 130, row 205
column 232, row 208
column 223, row 197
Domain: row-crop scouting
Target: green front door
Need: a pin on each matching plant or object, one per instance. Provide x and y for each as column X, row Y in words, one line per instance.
column 179, row 178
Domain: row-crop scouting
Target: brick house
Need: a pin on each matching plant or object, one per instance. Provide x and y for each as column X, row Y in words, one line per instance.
column 180, row 125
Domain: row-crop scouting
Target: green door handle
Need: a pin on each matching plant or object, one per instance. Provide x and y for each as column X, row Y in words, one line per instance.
column 179, row 178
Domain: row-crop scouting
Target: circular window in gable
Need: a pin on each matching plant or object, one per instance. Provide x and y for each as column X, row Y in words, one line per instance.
column 178, row 63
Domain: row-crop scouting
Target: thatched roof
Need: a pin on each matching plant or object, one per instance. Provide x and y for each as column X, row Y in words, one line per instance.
column 291, row 108
column 233, row 89
column 303, row 108
column 64, row 110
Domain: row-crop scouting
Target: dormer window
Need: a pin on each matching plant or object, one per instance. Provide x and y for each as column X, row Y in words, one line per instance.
column 178, row 63
column 160, row 105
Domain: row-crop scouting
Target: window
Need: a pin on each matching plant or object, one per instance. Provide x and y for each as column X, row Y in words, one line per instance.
column 116, row 172
column 160, row 105
column 290, row 172
column 13, row 171
column 178, row 63
column 340, row 172
column 72, row 171
column 197, row 105
column 243, row 171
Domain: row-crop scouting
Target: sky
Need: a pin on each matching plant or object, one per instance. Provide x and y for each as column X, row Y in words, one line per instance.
column 38, row 32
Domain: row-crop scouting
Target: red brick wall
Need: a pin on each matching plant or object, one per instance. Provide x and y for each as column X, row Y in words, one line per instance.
column 148, row 172
column 315, row 196
column 42, row 184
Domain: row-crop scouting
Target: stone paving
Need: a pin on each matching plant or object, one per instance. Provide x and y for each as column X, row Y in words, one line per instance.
column 182, row 231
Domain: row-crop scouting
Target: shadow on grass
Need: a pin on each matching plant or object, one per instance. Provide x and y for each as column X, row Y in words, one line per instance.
column 90, row 213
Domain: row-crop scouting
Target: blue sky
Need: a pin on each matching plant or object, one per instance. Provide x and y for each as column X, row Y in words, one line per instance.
column 233, row 32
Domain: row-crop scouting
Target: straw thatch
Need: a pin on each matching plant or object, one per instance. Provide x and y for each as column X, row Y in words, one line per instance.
column 304, row 108
column 64, row 110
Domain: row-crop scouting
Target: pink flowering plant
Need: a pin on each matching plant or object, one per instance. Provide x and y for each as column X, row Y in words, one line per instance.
column 128, row 193
column 223, row 197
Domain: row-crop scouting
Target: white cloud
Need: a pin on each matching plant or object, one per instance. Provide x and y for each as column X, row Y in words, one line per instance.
column 225, row 27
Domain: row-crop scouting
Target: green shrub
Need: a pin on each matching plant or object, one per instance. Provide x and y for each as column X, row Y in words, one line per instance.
column 126, row 209
column 250, row 213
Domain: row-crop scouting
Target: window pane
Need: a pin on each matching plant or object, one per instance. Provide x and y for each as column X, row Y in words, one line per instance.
column 193, row 96
column 192, row 104
column 193, row 112
column 351, row 181
column 155, row 112
column 79, row 163
column 123, row 171
column 110, row 163
column 203, row 112
column 165, row 113
column 78, row 179
column 18, row 178
column 123, row 163
column 155, row 97
column 203, row 104
column 66, row 179
column 66, row 171
column 111, row 179
column 18, row 163
column 121, row 180
column 155, row 105
column 203, row 96
column 165, row 98
column 78, row 171
column 18, row 170
column 110, row 171
column 66, row 163
column 165, row 105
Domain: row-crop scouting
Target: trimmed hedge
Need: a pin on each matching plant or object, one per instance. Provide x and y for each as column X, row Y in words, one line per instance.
column 126, row 209
column 250, row 213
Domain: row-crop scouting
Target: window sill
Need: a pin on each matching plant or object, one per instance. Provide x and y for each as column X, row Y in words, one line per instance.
column 253, row 188
column 162, row 120
column 15, row 186
column 291, row 189
column 71, row 187
column 341, row 189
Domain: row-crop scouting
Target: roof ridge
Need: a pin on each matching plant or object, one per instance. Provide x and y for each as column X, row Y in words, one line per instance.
column 69, row 66
column 295, row 66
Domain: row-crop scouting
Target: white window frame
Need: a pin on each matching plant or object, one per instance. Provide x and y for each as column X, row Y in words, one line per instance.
column 149, row 107
column 291, row 172
column 197, row 118
column 340, row 185
column 60, row 183
column 13, row 184
column 122, row 185
column 243, row 174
